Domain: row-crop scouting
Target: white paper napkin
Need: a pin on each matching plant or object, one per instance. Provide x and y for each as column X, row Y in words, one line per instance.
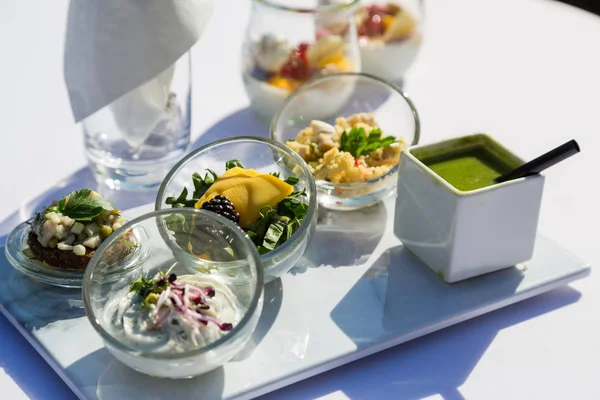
column 115, row 46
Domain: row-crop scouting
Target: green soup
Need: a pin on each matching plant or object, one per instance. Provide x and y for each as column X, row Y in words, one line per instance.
column 468, row 169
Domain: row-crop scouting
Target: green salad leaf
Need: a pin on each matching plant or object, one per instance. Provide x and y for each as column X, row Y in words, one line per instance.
column 357, row 143
column 80, row 205
column 275, row 225
column 233, row 163
column 201, row 185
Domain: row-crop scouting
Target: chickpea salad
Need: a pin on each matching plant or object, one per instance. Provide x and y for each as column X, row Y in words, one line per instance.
column 352, row 150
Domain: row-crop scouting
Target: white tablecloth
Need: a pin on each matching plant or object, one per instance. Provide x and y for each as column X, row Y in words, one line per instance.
column 526, row 71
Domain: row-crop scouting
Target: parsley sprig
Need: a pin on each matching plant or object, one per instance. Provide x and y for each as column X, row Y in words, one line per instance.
column 357, row 143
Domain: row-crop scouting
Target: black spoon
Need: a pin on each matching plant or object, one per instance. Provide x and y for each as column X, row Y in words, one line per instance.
column 544, row 161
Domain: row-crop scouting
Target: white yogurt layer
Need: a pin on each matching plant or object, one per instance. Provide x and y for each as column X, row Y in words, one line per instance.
column 176, row 326
column 320, row 102
column 390, row 60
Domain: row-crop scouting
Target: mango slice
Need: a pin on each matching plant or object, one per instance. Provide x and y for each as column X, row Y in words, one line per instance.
column 249, row 191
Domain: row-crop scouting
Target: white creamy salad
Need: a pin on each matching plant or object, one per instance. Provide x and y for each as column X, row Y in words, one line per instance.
column 172, row 314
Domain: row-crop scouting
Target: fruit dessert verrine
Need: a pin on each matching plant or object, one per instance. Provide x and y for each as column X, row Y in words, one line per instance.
column 389, row 39
column 269, row 209
column 352, row 150
column 276, row 67
column 66, row 234
column 169, row 313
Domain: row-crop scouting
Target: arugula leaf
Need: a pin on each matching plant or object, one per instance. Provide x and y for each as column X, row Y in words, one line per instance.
column 80, row 205
column 291, row 180
column 275, row 174
column 357, row 143
column 233, row 163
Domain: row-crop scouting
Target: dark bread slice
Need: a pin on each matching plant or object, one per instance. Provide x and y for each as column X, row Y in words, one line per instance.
column 56, row 258
column 64, row 259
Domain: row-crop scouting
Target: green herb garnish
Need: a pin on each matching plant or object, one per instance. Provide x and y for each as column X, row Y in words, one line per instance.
column 81, row 206
column 357, row 143
column 275, row 225
column 233, row 163
column 201, row 185
column 291, row 180
column 144, row 287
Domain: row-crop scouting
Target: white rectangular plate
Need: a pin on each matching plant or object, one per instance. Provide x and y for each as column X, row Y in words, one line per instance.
column 357, row 292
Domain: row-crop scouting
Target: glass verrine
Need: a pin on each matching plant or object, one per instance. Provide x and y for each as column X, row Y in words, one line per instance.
column 267, row 157
column 289, row 42
column 131, row 143
column 372, row 98
column 390, row 35
column 17, row 247
column 163, row 320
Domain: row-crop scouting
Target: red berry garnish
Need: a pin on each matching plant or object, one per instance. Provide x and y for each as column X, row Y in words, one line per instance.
column 297, row 67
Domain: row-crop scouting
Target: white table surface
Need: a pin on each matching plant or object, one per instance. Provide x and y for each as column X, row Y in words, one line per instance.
column 526, row 71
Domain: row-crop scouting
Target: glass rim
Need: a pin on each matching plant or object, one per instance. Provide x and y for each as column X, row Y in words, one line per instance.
column 234, row 333
column 312, row 198
column 360, row 75
column 273, row 4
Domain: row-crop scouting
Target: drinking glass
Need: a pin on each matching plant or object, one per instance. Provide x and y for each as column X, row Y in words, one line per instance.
column 132, row 142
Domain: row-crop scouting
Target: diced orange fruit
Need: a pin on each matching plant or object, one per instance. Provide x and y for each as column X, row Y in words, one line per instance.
column 249, row 191
column 281, row 83
column 333, row 58
column 344, row 64
column 387, row 21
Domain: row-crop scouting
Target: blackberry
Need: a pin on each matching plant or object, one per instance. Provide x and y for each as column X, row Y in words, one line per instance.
column 223, row 206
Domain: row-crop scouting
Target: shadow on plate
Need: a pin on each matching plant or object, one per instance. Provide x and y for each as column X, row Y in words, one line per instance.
column 434, row 365
column 343, row 238
column 34, row 304
column 82, row 178
column 103, row 377
column 386, row 304
column 240, row 123
column 271, row 306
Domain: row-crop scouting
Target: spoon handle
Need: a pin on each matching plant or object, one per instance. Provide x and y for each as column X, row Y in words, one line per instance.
column 544, row 161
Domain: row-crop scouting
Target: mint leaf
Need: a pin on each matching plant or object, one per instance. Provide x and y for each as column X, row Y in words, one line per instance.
column 80, row 205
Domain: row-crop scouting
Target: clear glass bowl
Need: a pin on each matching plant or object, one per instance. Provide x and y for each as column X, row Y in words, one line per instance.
column 263, row 155
column 288, row 42
column 392, row 109
column 102, row 294
column 16, row 244
column 390, row 34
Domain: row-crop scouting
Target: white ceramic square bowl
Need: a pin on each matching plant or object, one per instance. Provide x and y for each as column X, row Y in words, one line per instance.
column 463, row 234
